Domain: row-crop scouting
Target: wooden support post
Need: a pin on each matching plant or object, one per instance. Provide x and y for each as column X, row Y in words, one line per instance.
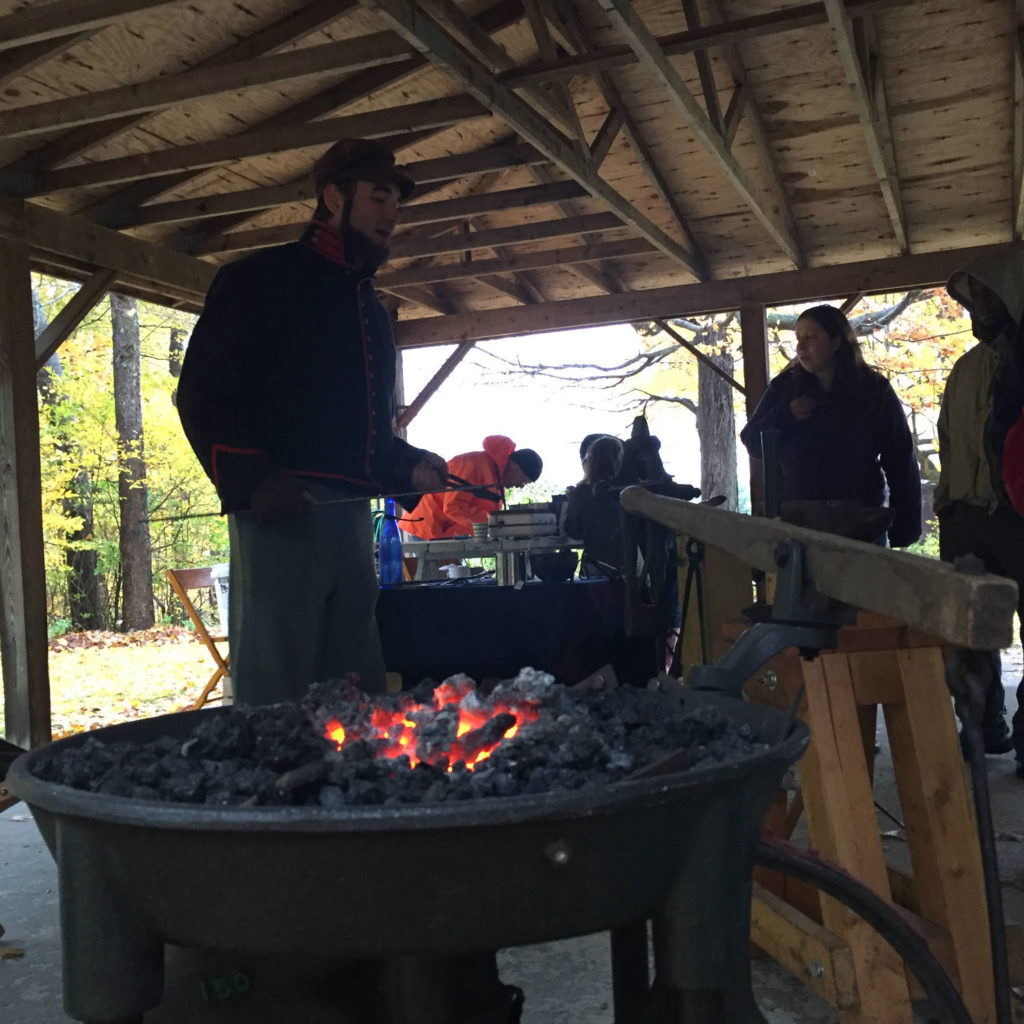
column 755, row 381
column 22, row 570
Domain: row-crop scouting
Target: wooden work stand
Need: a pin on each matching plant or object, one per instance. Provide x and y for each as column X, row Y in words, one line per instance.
column 877, row 662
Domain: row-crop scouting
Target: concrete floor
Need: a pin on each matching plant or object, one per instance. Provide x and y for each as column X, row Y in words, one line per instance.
column 565, row 982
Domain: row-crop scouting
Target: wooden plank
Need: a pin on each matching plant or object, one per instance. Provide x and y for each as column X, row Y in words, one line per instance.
column 48, row 231
column 292, row 27
column 446, row 168
column 50, row 21
column 705, row 71
column 144, row 97
column 788, row 19
column 409, row 413
column 22, row 59
column 876, row 677
column 490, row 237
column 809, row 951
column 22, row 568
column 754, row 340
column 1018, row 121
column 76, row 310
column 876, row 135
column 430, row 39
column 389, row 121
column 937, row 812
column 869, row 276
column 965, row 609
column 657, row 64
column 505, row 264
column 833, row 775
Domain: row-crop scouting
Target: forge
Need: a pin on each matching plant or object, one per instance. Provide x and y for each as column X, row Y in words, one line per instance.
column 666, row 843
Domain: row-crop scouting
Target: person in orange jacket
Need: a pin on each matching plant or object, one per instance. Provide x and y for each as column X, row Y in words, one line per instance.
column 453, row 514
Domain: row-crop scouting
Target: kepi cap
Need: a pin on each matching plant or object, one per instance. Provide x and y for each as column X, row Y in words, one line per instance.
column 360, row 160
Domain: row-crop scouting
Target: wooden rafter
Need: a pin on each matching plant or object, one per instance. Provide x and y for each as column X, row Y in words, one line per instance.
column 868, row 276
column 418, row 213
column 1018, row 118
column 52, row 21
column 289, row 29
column 612, row 96
column 657, row 63
column 506, row 264
column 869, row 100
column 201, row 155
column 742, row 104
column 22, row 59
column 409, row 413
column 787, row 19
column 326, row 102
column 705, row 71
column 488, row 238
column 158, row 93
column 427, row 36
column 423, row 172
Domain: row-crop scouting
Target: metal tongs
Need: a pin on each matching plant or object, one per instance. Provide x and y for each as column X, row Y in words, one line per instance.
column 486, row 493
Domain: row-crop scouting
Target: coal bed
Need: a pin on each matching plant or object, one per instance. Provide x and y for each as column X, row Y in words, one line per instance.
column 434, row 744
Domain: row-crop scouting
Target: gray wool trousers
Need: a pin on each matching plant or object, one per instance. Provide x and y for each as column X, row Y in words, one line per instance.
column 303, row 598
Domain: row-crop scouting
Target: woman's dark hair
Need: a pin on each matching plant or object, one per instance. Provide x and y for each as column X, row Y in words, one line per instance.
column 602, row 461
column 849, row 359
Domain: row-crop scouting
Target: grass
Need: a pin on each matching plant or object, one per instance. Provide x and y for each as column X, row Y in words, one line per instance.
column 99, row 679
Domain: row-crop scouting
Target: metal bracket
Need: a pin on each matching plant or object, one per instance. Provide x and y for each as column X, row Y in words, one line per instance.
column 801, row 617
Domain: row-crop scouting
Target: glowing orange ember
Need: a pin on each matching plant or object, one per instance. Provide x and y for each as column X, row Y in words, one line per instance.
column 399, row 730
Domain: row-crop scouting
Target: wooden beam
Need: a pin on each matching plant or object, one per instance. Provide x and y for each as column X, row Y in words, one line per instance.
column 506, row 264
column 321, row 104
column 423, row 297
column 200, row 155
column 289, row 29
column 446, row 168
column 869, row 103
column 788, row 19
column 1018, row 119
column 68, row 319
column 159, row 93
column 743, row 103
column 22, row 567
column 430, row 39
column 615, row 101
column 657, row 64
column 21, row 60
column 421, row 213
column 493, row 56
column 51, row 21
column 409, row 413
column 897, row 273
column 665, row 326
column 970, row 610
column 705, row 71
column 754, row 339
column 606, row 135
column 47, row 231
column 490, row 237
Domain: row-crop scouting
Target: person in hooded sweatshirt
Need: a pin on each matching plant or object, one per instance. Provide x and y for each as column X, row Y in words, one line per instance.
column 287, row 398
column 981, row 402
column 484, row 475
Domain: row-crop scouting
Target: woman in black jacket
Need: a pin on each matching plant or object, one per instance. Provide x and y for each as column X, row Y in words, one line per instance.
column 842, row 432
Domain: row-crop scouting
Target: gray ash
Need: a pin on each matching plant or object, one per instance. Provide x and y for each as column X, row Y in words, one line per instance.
column 567, row 739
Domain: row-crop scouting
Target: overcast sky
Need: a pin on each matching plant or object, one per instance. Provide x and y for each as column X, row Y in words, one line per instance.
column 548, row 415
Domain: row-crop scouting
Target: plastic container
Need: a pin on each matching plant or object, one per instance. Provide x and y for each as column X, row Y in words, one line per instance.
column 390, row 546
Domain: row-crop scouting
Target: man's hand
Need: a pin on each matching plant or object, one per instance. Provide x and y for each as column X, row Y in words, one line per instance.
column 430, row 474
column 802, row 407
column 280, row 499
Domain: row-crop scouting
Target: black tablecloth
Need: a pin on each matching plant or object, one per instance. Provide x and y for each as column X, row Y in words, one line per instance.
column 474, row 626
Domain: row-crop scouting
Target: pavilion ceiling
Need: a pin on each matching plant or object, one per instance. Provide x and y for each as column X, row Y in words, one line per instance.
column 564, row 151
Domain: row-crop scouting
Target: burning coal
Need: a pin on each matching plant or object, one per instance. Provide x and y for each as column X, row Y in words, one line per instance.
column 434, row 744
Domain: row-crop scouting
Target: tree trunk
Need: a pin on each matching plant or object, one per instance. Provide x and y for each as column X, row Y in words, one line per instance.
column 716, row 428
column 136, row 555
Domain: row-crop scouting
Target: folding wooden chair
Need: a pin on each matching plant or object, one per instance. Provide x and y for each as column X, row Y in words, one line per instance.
column 183, row 581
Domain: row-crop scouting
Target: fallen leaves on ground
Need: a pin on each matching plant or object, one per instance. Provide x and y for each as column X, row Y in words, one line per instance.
column 99, row 678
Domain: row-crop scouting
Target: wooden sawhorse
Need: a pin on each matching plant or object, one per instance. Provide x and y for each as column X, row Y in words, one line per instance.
column 877, row 662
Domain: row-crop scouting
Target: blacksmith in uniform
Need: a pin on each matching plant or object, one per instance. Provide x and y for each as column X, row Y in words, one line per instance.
column 286, row 396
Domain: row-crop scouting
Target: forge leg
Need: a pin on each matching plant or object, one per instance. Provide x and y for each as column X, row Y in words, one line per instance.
column 113, row 963
column 630, row 982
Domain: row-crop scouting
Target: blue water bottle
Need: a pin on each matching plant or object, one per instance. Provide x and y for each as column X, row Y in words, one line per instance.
column 390, row 546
